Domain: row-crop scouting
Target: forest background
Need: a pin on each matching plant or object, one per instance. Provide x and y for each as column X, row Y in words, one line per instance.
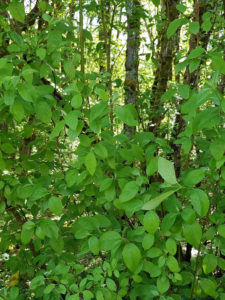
column 112, row 146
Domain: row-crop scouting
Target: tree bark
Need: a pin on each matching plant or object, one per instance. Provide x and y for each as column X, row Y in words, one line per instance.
column 132, row 58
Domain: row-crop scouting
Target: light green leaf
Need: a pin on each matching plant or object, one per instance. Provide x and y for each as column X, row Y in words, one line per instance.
column 129, row 191
column 105, row 184
column 209, row 287
column 110, row 240
column 131, row 256
column 102, row 94
column 111, row 284
column 152, row 204
column 172, row 264
column 49, row 288
column 55, row 205
column 17, row 111
column 43, row 112
column 181, row 8
column 71, row 119
column 193, row 177
column 148, row 241
column 36, row 282
column 166, row 170
column 198, row 51
column 57, row 129
column 101, row 150
column 76, row 101
column 163, row 284
column 17, row 11
column 221, row 230
column 152, row 166
column 184, row 90
column 41, row 53
column 93, row 244
column 174, row 25
column 27, row 232
column 91, row 163
column 127, row 114
column 151, row 221
column 194, row 27
column 209, row 263
column 217, row 148
column 200, row 202
column 193, row 233
column 171, row 246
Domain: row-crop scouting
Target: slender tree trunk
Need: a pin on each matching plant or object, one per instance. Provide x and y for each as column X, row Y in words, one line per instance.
column 132, row 58
column 81, row 36
column 164, row 71
column 107, row 20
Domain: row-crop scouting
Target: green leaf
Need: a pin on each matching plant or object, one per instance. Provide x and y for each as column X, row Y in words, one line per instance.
column 206, row 25
column 76, row 101
column 207, row 118
column 198, row 51
column 17, row 11
column 43, row 112
column 174, row 25
column 68, row 65
column 71, row 119
column 91, row 163
column 131, row 256
column 168, row 95
column 194, row 27
column 155, row 202
column 184, row 90
column 8, row 148
column 93, row 244
column 194, row 64
column 152, row 166
column 200, row 202
column 172, row 264
column 182, row 8
column 110, row 240
column 156, row 2
column 106, row 184
column 221, row 230
column 151, row 221
column 209, row 287
column 111, row 285
column 127, row 114
column 209, row 263
column 163, row 284
column 188, row 215
column 100, row 150
column 17, row 111
column 166, row 170
column 49, row 288
column 171, row 246
column 217, row 148
column 41, row 53
column 102, row 94
column 50, row 229
column 25, row 91
column 129, row 191
column 193, row 177
column 36, row 282
column 55, row 205
column 57, row 129
column 27, row 232
column 193, row 233
column 148, row 241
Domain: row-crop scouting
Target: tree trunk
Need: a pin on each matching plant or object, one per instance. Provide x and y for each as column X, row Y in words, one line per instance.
column 132, row 59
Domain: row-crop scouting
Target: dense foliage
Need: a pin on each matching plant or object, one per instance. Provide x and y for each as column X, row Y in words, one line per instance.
column 112, row 142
